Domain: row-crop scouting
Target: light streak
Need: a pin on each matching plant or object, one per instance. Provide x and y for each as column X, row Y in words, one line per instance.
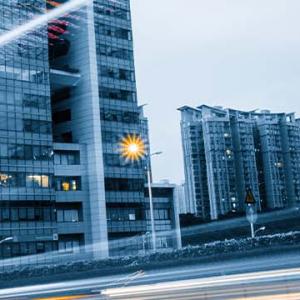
column 261, row 279
column 41, row 20
column 64, row 298
column 257, row 277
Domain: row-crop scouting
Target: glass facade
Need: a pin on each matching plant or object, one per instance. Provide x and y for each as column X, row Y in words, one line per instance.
column 124, row 182
column 26, row 162
column 67, row 98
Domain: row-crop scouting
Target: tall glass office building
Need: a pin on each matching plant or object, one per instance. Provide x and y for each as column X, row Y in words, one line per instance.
column 67, row 98
column 27, row 198
column 120, row 115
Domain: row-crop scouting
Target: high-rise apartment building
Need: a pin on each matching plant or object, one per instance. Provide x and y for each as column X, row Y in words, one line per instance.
column 278, row 138
column 227, row 152
column 67, row 98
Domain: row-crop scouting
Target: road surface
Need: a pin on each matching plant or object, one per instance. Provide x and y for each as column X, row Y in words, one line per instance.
column 274, row 277
column 272, row 285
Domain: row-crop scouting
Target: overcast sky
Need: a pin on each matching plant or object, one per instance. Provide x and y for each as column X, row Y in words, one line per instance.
column 242, row 54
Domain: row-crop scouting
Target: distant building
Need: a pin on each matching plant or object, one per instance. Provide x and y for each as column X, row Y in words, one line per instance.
column 228, row 151
column 182, row 203
column 278, row 155
column 166, row 215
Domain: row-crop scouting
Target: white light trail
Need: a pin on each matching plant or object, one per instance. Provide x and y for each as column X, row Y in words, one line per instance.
column 240, row 279
column 41, row 20
column 260, row 280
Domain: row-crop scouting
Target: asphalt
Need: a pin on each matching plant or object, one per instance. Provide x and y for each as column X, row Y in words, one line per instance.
column 235, row 278
column 283, row 284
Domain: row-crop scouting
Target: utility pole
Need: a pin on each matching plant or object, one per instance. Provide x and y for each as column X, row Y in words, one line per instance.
column 149, row 179
column 251, row 211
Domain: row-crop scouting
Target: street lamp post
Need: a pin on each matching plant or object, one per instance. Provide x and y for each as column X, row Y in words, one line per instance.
column 149, row 178
column 132, row 148
column 7, row 239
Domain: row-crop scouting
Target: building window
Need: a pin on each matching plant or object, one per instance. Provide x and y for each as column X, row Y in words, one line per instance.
column 116, row 52
column 112, row 11
column 124, row 184
column 113, row 31
column 38, row 181
column 116, row 73
column 67, row 215
column 36, row 101
column 61, row 95
column 66, row 158
column 132, row 217
column 124, row 214
column 71, row 246
column 61, row 116
column 37, row 126
column 17, row 214
column 159, row 214
column 117, row 94
column 26, row 248
column 67, row 184
column 23, row 180
column 40, row 247
column 162, row 242
column 120, row 116
column 25, row 152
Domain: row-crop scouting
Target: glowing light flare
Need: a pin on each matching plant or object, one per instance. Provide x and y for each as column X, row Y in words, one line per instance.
column 132, row 147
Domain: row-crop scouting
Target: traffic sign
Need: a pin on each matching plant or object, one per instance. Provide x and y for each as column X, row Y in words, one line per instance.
column 250, row 199
column 251, row 214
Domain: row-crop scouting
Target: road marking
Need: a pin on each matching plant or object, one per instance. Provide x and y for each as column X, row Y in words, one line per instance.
column 63, row 298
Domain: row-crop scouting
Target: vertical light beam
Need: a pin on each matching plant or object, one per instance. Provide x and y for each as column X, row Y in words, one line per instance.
column 41, row 20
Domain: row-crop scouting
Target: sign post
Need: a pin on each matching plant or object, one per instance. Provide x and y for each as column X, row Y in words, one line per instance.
column 251, row 211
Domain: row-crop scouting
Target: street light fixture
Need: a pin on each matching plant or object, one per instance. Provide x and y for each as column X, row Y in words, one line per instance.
column 133, row 148
column 263, row 228
column 7, row 239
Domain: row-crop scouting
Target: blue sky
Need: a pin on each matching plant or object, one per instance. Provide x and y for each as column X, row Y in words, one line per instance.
column 242, row 54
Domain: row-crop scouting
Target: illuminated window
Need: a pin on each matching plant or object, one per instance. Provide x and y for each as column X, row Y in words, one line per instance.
column 68, row 183
column 4, row 179
column 228, row 152
column 38, row 181
column 279, row 164
column 66, row 186
column 131, row 217
column 73, row 185
column 45, row 181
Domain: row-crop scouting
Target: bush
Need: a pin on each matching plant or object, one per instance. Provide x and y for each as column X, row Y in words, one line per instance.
column 119, row 264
